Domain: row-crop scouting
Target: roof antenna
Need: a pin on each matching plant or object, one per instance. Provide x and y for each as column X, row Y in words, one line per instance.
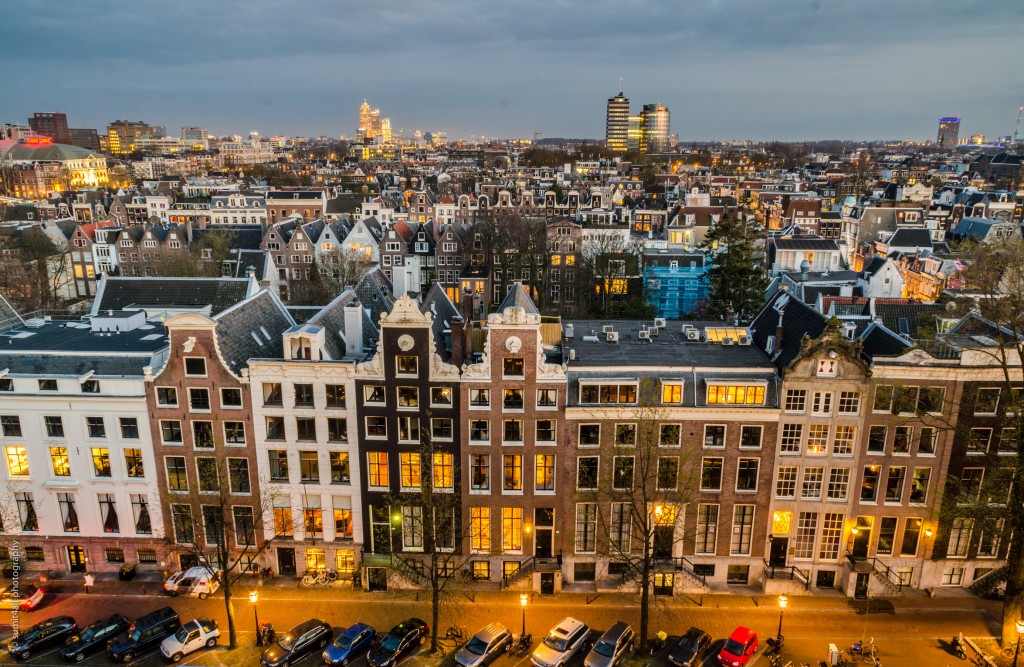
column 620, row 84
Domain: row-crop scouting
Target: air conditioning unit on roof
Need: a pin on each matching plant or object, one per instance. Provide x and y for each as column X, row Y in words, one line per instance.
column 659, row 322
column 608, row 327
column 645, row 334
column 611, row 336
column 727, row 341
column 692, row 334
column 744, row 340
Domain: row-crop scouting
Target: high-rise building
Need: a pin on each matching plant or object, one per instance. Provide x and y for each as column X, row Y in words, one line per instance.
column 85, row 138
column 373, row 129
column 192, row 133
column 654, row 128
column 634, row 133
column 122, row 134
column 616, row 127
column 949, row 130
column 51, row 124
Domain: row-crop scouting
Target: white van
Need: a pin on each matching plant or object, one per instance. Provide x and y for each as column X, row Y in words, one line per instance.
column 194, row 582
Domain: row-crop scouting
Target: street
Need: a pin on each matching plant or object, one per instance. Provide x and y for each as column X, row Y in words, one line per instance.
column 911, row 631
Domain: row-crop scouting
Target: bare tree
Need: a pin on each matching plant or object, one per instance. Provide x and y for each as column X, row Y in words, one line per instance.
column 995, row 272
column 231, row 542
column 431, row 526
column 34, row 271
column 609, row 262
column 640, row 499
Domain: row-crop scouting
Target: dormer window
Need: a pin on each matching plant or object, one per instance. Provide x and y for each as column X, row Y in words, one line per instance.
column 302, row 348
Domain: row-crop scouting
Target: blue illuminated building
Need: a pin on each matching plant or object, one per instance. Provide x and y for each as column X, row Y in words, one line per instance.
column 674, row 281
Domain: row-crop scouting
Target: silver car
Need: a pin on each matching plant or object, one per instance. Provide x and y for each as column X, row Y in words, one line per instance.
column 612, row 645
column 563, row 642
column 484, row 646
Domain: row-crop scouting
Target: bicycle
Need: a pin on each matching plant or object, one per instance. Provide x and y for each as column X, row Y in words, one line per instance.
column 326, row 577
column 310, row 577
column 521, row 647
column 456, row 632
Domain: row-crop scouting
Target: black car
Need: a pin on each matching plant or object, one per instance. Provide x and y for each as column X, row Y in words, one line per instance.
column 94, row 638
column 52, row 631
column 396, row 643
column 144, row 634
column 690, row 648
column 304, row 638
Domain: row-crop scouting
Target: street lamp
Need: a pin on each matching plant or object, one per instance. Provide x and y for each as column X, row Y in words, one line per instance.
column 523, row 599
column 396, row 521
column 783, row 601
column 1020, row 629
column 254, row 597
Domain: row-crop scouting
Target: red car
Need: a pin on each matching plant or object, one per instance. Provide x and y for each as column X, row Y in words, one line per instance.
column 25, row 598
column 739, row 648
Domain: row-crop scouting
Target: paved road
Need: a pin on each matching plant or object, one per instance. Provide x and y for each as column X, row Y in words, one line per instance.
column 914, row 633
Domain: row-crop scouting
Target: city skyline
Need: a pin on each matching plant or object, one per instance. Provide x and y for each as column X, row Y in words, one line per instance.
column 788, row 71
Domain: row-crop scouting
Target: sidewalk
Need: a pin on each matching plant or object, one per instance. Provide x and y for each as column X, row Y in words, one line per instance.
column 149, row 583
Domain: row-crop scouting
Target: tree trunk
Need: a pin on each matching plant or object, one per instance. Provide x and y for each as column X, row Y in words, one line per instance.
column 229, row 607
column 645, row 593
column 435, row 607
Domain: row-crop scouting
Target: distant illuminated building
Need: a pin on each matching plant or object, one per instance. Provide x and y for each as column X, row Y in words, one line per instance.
column 51, row 124
column 42, row 166
column 977, row 139
column 634, row 135
column 373, row 129
column 616, row 132
column 122, row 135
column 949, row 131
column 654, row 128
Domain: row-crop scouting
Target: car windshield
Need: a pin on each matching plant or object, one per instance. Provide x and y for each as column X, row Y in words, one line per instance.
column 605, row 649
column 343, row 642
column 555, row 642
column 391, row 642
column 477, row 646
column 688, row 642
column 733, row 647
column 182, row 634
column 135, row 635
column 87, row 635
column 287, row 641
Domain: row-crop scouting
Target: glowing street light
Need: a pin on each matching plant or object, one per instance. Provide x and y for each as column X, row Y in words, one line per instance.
column 524, row 598
column 254, row 597
column 783, row 601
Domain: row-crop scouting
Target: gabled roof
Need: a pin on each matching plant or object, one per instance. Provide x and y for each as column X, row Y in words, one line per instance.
column 518, row 297
column 444, row 312
column 332, row 318
column 797, row 320
column 910, row 237
column 123, row 293
column 880, row 342
column 375, row 293
column 252, row 328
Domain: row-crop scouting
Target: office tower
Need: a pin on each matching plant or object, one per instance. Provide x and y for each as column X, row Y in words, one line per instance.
column 84, row 137
column 616, row 129
column 52, row 124
column 949, row 129
column 654, row 128
column 634, row 133
column 122, row 135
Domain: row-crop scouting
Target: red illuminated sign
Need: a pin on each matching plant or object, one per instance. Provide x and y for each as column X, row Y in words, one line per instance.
column 38, row 140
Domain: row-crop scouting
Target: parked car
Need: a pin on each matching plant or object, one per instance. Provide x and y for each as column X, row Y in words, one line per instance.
column 690, row 648
column 144, row 634
column 563, row 642
column 484, row 646
column 189, row 638
column 612, row 645
column 28, row 597
column 94, row 637
column 739, row 648
column 197, row 581
column 44, row 634
column 349, row 644
column 297, row 643
column 397, row 642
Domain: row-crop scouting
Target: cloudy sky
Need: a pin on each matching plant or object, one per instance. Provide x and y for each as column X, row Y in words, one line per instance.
column 727, row 69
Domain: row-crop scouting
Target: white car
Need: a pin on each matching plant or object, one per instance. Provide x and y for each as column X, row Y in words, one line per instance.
column 189, row 638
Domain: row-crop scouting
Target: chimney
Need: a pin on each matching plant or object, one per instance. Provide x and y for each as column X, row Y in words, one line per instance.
column 353, row 329
column 778, row 333
column 466, row 306
column 457, row 345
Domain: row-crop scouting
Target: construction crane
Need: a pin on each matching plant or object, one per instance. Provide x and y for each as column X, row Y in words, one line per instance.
column 1016, row 132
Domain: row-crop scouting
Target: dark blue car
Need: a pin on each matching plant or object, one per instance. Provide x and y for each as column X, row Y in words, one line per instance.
column 349, row 644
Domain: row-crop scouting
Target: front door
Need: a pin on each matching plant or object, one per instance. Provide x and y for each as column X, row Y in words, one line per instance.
column 286, row 560
column 663, row 542
column 547, row 583
column 76, row 558
column 777, row 558
column 544, row 528
column 860, row 590
column 376, row 579
column 862, row 539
